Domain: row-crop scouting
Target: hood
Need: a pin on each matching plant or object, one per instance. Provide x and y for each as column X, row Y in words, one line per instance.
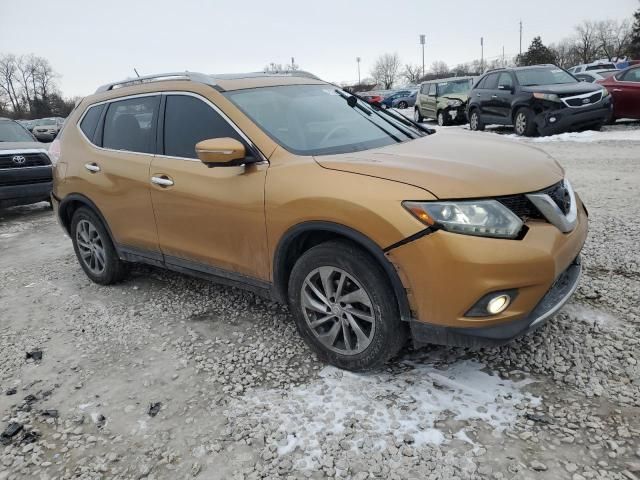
column 455, row 96
column 564, row 89
column 23, row 146
column 456, row 165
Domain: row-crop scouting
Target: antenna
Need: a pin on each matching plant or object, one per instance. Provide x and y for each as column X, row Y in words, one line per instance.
column 136, row 72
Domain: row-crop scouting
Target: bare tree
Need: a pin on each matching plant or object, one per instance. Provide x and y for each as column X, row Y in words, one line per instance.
column 9, row 80
column 566, row 53
column 27, row 67
column 587, row 43
column 439, row 69
column 614, row 37
column 412, row 73
column 44, row 78
column 385, row 70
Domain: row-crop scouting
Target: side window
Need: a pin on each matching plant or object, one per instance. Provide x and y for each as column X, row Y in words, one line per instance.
column 481, row 83
column 189, row 120
column 130, row 125
column 505, row 80
column 424, row 89
column 632, row 75
column 432, row 90
column 90, row 121
column 491, row 82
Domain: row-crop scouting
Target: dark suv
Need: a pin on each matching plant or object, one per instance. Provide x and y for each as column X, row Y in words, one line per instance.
column 541, row 99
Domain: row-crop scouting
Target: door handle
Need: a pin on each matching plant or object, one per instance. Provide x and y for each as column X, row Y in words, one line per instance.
column 162, row 180
column 92, row 167
column 494, row 96
column 617, row 89
column 478, row 95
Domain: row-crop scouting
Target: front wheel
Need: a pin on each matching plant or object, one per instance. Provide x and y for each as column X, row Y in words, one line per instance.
column 523, row 123
column 417, row 116
column 344, row 307
column 442, row 119
column 402, row 105
column 475, row 121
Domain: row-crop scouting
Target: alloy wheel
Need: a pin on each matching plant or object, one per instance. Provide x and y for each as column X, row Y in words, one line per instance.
column 521, row 123
column 90, row 246
column 416, row 115
column 338, row 310
column 473, row 121
column 441, row 119
column 402, row 105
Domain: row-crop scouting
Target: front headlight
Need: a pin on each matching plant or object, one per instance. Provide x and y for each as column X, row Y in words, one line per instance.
column 552, row 97
column 454, row 103
column 605, row 93
column 485, row 218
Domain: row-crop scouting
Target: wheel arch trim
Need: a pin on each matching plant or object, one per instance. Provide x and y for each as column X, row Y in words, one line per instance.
column 80, row 198
column 286, row 241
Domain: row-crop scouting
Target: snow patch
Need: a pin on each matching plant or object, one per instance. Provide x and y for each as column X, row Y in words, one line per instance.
column 631, row 135
column 591, row 316
column 375, row 409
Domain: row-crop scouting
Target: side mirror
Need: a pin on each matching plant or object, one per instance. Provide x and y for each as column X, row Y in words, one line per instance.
column 220, row 152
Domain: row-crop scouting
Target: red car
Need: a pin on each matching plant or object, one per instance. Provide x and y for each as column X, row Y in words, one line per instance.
column 624, row 87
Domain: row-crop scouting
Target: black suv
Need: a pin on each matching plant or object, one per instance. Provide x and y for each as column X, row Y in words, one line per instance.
column 541, row 99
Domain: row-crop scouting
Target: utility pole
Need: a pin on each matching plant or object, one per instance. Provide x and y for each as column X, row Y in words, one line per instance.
column 521, row 37
column 482, row 54
column 358, row 60
column 293, row 63
column 504, row 64
column 422, row 42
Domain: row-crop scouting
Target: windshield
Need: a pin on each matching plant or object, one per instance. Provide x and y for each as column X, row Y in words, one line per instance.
column 455, row 87
column 318, row 120
column 543, row 76
column 13, row 132
column 600, row 66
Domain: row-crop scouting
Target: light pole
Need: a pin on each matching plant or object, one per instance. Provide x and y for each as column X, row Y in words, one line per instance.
column 482, row 54
column 358, row 60
column 422, row 42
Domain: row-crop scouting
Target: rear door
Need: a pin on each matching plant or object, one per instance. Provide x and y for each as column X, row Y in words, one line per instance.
column 115, row 176
column 431, row 101
column 209, row 218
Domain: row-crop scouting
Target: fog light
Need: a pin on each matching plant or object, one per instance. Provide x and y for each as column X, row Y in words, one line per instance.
column 552, row 120
column 498, row 304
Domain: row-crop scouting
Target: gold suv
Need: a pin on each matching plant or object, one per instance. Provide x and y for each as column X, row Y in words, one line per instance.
column 371, row 227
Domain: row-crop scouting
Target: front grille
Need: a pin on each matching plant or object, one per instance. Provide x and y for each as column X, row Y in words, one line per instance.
column 28, row 181
column 525, row 209
column 583, row 101
column 30, row 160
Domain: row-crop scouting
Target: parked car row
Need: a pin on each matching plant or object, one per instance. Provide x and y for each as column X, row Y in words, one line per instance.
column 44, row 129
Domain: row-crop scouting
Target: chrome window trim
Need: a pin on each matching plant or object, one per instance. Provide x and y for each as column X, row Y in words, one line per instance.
column 551, row 211
column 584, row 95
column 160, row 93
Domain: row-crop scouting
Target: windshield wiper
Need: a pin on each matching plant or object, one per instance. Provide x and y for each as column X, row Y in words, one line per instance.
column 354, row 104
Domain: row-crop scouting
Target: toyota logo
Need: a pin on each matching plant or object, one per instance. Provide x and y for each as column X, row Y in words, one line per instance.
column 19, row 160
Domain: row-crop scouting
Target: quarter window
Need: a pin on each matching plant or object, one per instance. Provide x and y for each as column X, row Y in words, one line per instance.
column 130, row 125
column 189, row 120
column 90, row 121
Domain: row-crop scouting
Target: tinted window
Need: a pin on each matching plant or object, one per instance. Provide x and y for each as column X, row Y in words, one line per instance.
column 90, row 121
column 505, row 80
column 632, row 75
column 129, row 125
column 189, row 120
column 491, row 82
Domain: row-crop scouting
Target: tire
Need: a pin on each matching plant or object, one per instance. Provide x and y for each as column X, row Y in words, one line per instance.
column 336, row 266
column 417, row 116
column 442, row 119
column 523, row 123
column 475, row 121
column 402, row 105
column 94, row 249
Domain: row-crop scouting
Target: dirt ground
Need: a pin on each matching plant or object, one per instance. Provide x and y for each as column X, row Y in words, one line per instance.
column 168, row 377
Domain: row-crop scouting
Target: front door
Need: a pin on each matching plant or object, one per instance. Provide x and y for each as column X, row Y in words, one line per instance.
column 626, row 94
column 504, row 97
column 209, row 218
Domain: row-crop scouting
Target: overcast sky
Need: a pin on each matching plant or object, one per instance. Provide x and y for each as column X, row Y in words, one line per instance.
column 90, row 43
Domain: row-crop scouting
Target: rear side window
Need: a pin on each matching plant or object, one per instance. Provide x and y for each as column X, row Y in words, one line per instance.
column 130, row 125
column 189, row 120
column 90, row 121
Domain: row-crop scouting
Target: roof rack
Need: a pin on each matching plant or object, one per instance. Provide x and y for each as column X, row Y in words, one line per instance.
column 193, row 76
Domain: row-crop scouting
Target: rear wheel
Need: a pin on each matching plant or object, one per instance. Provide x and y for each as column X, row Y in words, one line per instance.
column 402, row 104
column 523, row 123
column 344, row 307
column 94, row 248
column 475, row 120
column 417, row 116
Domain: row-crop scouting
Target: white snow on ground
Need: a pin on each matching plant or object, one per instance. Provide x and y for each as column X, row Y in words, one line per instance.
column 587, row 136
column 592, row 316
column 385, row 405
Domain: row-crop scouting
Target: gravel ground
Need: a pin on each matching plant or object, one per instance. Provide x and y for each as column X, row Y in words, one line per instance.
column 168, row 377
